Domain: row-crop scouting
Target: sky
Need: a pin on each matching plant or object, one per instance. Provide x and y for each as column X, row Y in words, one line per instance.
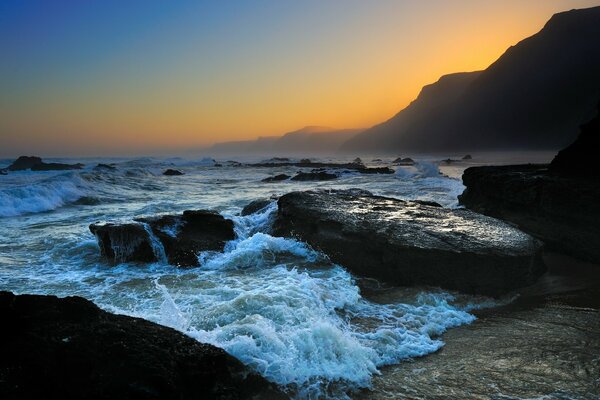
column 118, row 77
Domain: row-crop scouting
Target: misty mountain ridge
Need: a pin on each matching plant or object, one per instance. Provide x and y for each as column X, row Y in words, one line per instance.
column 308, row 140
column 534, row 96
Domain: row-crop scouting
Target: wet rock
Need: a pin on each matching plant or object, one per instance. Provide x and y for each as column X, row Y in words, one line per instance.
column 305, row 161
column 36, row 164
column 407, row 243
column 561, row 210
column 404, row 161
column 357, row 160
column 276, row 178
column 314, row 176
column 105, row 167
column 467, row 157
column 255, row 206
column 376, row 170
column 70, row 349
column 179, row 237
column 172, row 172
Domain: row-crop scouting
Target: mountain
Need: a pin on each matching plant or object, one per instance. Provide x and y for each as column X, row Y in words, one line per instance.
column 534, row 96
column 308, row 140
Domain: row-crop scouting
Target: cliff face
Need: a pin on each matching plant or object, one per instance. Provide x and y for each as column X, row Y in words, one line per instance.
column 533, row 97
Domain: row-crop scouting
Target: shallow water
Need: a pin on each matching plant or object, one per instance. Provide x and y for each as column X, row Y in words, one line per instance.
column 276, row 304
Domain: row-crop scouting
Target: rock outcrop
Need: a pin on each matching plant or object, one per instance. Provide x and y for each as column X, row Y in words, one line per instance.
column 255, row 206
column 70, row 349
column 560, row 204
column 36, row 164
column 276, row 178
column 411, row 243
column 172, row 172
column 178, row 238
column 314, row 176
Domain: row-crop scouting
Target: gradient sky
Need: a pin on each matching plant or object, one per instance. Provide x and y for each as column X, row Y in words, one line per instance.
column 117, row 77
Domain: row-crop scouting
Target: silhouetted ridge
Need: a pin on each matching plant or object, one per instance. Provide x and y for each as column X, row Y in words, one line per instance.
column 533, row 97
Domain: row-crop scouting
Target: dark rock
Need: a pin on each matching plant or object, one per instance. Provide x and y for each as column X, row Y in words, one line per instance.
column 218, row 165
column 181, row 237
column 56, row 167
column 124, row 242
column 428, row 203
column 24, row 162
column 172, row 172
column 404, row 161
column 255, row 206
column 36, row 164
column 305, row 161
column 357, row 160
column 68, row 348
column 278, row 159
column 376, row 170
column 3, row 171
column 563, row 211
column 467, row 157
column 105, row 167
column 376, row 160
column 449, row 161
column 579, row 159
column 407, row 243
column 314, row 176
column 276, row 178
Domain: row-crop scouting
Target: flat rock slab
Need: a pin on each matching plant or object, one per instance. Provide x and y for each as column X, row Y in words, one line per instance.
column 68, row 348
column 411, row 243
column 178, row 238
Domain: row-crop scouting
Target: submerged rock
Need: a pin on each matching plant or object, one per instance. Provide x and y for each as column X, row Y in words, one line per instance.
column 172, row 172
column 36, row 164
column 410, row 243
column 314, row 176
column 563, row 211
column 276, row 178
column 178, row 238
column 70, row 349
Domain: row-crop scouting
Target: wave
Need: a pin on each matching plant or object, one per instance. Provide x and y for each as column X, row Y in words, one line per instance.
column 41, row 195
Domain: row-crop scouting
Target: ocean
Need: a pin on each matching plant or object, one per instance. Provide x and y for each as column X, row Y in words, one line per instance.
column 279, row 306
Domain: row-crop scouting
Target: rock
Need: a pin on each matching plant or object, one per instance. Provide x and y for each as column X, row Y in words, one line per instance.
column 376, row 170
column 579, row 159
column 36, row 164
column 105, row 167
column 180, row 237
column 404, row 161
column 172, row 172
column 467, row 157
column 255, row 206
column 407, row 243
column 561, row 210
column 357, row 160
column 24, row 162
column 3, row 171
column 305, row 161
column 56, row 167
column 314, row 176
column 449, row 161
column 70, row 349
column 276, row 178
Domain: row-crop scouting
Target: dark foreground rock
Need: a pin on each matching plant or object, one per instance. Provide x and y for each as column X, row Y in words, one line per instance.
column 172, row 172
column 563, row 211
column 70, row 349
column 408, row 243
column 180, row 237
column 36, row 164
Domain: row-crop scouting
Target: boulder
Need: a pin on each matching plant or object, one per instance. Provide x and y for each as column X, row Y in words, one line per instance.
column 314, row 176
column 68, row 348
column 255, row 206
column 276, row 178
column 467, row 157
column 172, row 172
column 561, row 210
column 179, row 238
column 411, row 243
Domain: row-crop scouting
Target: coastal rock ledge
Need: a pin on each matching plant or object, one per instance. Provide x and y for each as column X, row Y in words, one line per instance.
column 70, row 349
column 411, row 242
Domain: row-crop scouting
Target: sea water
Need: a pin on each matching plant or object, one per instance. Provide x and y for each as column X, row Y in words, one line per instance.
column 276, row 304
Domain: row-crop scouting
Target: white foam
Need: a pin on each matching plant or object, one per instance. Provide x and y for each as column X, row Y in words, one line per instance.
column 41, row 194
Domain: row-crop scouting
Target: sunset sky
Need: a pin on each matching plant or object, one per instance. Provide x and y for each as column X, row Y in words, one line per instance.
column 117, row 77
